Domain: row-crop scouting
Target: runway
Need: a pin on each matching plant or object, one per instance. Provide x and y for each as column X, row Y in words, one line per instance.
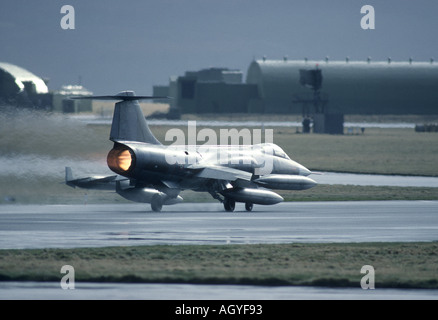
column 142, row 291
column 69, row 226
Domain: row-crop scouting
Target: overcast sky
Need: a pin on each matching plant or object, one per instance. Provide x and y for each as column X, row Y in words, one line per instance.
column 134, row 44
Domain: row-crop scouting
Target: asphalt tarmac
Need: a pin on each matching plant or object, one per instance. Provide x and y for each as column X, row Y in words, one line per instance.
column 69, row 226
column 142, row 291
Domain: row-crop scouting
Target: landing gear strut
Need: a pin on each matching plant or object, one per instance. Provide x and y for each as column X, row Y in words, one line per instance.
column 249, row 206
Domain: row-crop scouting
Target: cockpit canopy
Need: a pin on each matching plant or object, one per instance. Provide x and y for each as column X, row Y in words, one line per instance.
column 276, row 150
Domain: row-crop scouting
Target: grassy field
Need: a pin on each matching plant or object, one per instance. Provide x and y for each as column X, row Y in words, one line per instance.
column 381, row 151
column 396, row 265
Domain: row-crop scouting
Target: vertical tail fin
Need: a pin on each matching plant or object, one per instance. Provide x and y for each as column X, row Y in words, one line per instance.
column 69, row 177
column 68, row 174
column 129, row 122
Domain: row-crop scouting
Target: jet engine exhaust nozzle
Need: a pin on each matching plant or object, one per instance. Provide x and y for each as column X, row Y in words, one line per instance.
column 120, row 160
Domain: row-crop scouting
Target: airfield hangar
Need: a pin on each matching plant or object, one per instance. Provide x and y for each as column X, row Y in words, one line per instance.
column 213, row 90
column 348, row 87
column 20, row 87
column 296, row 86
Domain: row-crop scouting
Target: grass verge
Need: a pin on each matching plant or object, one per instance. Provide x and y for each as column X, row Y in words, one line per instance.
column 396, row 265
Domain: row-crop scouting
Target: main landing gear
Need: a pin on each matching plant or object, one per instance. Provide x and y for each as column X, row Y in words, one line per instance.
column 230, row 205
column 156, row 203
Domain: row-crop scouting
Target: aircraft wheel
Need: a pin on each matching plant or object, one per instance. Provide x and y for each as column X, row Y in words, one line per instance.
column 156, row 203
column 249, row 206
column 229, row 205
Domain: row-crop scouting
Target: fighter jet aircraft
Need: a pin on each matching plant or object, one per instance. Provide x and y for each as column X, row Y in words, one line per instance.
column 150, row 172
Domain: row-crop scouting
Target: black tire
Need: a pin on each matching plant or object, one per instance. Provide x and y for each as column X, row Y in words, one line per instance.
column 229, row 205
column 156, row 203
column 249, row 206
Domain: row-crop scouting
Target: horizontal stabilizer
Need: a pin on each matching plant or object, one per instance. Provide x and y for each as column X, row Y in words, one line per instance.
column 92, row 182
column 106, row 179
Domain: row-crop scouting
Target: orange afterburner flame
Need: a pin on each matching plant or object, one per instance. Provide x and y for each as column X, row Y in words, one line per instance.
column 119, row 160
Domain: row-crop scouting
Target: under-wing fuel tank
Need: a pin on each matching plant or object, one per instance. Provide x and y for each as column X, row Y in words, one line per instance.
column 145, row 195
column 256, row 196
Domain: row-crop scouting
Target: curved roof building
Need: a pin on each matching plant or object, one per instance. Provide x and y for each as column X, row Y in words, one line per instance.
column 351, row 87
column 14, row 79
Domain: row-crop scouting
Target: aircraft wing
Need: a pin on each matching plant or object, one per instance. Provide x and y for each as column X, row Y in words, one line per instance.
column 223, row 173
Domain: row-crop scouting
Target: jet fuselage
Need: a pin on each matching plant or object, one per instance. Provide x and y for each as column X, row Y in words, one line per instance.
column 151, row 164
